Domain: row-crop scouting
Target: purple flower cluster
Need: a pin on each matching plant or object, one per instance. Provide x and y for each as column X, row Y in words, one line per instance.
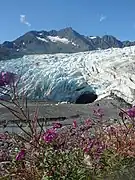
column 20, row 155
column 57, row 125
column 6, row 78
column 49, row 135
column 131, row 112
column 74, row 124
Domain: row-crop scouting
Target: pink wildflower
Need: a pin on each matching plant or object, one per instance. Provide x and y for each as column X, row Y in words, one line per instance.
column 88, row 147
column 57, row 125
column 74, row 124
column 49, row 135
column 131, row 112
column 6, row 78
column 88, row 122
column 4, row 136
column 20, row 155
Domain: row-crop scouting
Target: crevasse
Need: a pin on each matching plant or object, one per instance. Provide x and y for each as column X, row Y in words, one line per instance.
column 63, row 77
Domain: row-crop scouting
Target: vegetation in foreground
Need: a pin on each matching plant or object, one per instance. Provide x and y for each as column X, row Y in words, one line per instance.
column 87, row 151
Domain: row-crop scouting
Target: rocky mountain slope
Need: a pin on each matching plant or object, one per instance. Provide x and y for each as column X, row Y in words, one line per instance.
column 63, row 41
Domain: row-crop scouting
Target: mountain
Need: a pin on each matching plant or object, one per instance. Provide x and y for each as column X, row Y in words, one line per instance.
column 63, row 41
column 66, row 77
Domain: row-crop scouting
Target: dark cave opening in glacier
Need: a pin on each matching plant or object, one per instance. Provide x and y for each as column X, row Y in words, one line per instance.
column 86, row 97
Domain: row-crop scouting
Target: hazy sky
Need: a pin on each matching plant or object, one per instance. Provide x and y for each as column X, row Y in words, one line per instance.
column 90, row 17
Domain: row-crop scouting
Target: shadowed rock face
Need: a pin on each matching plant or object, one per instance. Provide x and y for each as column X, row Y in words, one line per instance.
column 86, row 98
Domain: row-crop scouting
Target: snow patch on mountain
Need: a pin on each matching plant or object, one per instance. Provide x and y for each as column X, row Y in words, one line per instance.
column 57, row 38
column 40, row 34
column 62, row 40
column 63, row 77
column 42, row 39
column 92, row 37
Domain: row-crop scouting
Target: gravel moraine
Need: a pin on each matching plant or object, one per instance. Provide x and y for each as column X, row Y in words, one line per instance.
column 65, row 113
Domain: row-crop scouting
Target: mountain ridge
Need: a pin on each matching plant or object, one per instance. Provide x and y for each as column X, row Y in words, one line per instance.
column 65, row 40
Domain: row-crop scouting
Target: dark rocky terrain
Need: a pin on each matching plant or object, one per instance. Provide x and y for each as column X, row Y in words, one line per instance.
column 40, row 42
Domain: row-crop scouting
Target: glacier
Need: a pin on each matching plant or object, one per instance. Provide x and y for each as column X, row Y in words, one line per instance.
column 63, row 77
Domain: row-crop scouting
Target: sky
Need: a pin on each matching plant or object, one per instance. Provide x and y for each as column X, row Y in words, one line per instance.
column 88, row 17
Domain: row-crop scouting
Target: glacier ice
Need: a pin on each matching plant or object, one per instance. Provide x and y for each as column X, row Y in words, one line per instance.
column 58, row 77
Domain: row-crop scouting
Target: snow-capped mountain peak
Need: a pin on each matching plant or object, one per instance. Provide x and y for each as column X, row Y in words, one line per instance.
column 64, row 40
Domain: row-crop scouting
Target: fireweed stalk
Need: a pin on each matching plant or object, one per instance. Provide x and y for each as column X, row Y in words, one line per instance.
column 92, row 150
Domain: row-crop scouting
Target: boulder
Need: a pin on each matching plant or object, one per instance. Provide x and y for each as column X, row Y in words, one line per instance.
column 86, row 98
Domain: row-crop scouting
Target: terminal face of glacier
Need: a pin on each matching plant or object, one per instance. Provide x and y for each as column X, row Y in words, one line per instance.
column 64, row 77
column 52, row 77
